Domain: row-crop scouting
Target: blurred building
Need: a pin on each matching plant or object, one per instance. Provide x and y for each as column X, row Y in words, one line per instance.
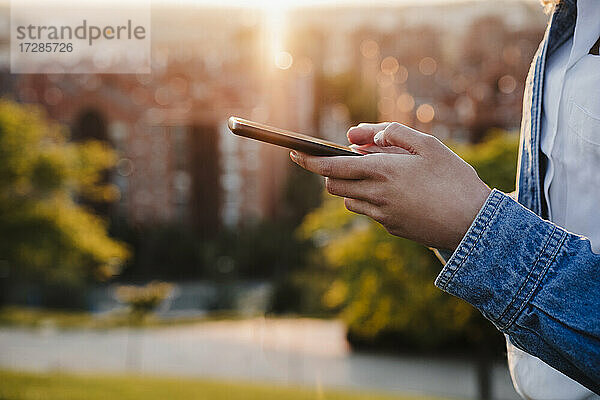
column 453, row 70
column 177, row 160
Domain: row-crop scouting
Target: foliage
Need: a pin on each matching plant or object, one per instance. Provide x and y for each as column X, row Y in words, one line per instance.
column 164, row 252
column 254, row 251
column 143, row 299
column 258, row 251
column 37, row 318
column 265, row 250
column 51, row 386
column 47, row 236
column 383, row 286
column 301, row 194
column 495, row 159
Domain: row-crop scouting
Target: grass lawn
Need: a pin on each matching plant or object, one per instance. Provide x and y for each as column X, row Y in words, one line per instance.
column 54, row 386
column 38, row 317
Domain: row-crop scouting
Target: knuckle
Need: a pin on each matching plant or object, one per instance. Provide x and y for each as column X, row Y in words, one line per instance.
column 379, row 198
column 350, row 204
column 384, row 221
column 429, row 140
column 386, row 167
column 378, row 171
column 380, row 217
column 390, row 230
column 330, row 185
column 377, row 175
column 394, row 126
column 327, row 168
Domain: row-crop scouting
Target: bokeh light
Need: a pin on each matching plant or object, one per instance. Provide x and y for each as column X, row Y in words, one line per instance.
column 427, row 66
column 507, row 84
column 53, row 96
column 124, row 167
column 402, row 74
column 389, row 65
column 464, row 107
column 384, row 80
column 284, row 60
column 405, row 102
column 386, row 105
column 425, row 113
column 162, row 96
column 369, row 48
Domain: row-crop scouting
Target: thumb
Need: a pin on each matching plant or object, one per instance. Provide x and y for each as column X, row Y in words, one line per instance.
column 396, row 134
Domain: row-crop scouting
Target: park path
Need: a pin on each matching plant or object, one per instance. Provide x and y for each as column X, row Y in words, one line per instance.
column 306, row 352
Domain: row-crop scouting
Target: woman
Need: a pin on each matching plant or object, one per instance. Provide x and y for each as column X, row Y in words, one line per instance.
column 518, row 262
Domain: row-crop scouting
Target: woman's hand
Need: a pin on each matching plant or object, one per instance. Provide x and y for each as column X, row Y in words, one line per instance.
column 428, row 194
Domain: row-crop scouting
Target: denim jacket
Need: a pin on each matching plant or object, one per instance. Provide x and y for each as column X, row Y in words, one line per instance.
column 536, row 282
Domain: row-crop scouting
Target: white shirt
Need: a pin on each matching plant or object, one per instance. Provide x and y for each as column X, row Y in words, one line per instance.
column 570, row 139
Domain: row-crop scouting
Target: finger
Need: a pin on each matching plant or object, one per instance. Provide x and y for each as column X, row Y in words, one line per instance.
column 342, row 167
column 352, row 188
column 364, row 132
column 362, row 207
column 396, row 134
column 373, row 148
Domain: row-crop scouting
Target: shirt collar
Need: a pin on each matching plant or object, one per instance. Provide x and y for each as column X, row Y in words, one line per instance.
column 587, row 29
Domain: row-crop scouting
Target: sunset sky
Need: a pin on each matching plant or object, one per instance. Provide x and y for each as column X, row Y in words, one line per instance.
column 306, row 3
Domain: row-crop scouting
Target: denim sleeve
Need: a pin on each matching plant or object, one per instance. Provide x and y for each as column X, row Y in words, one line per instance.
column 536, row 282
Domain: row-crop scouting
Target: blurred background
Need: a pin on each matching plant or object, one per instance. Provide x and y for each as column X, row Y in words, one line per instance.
column 146, row 252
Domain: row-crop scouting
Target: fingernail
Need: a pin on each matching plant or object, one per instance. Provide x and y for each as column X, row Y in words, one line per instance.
column 294, row 155
column 377, row 137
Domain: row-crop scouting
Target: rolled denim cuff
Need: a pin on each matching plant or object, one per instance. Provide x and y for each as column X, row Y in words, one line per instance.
column 502, row 259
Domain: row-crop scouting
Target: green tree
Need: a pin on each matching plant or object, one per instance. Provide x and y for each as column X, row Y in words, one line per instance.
column 46, row 235
column 383, row 286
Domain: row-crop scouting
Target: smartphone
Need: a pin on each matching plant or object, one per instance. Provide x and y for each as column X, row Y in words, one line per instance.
column 291, row 140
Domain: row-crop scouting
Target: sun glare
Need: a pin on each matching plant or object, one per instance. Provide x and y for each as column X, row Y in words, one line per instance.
column 275, row 22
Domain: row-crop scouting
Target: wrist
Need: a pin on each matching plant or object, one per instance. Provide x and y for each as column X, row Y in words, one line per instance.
column 476, row 201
